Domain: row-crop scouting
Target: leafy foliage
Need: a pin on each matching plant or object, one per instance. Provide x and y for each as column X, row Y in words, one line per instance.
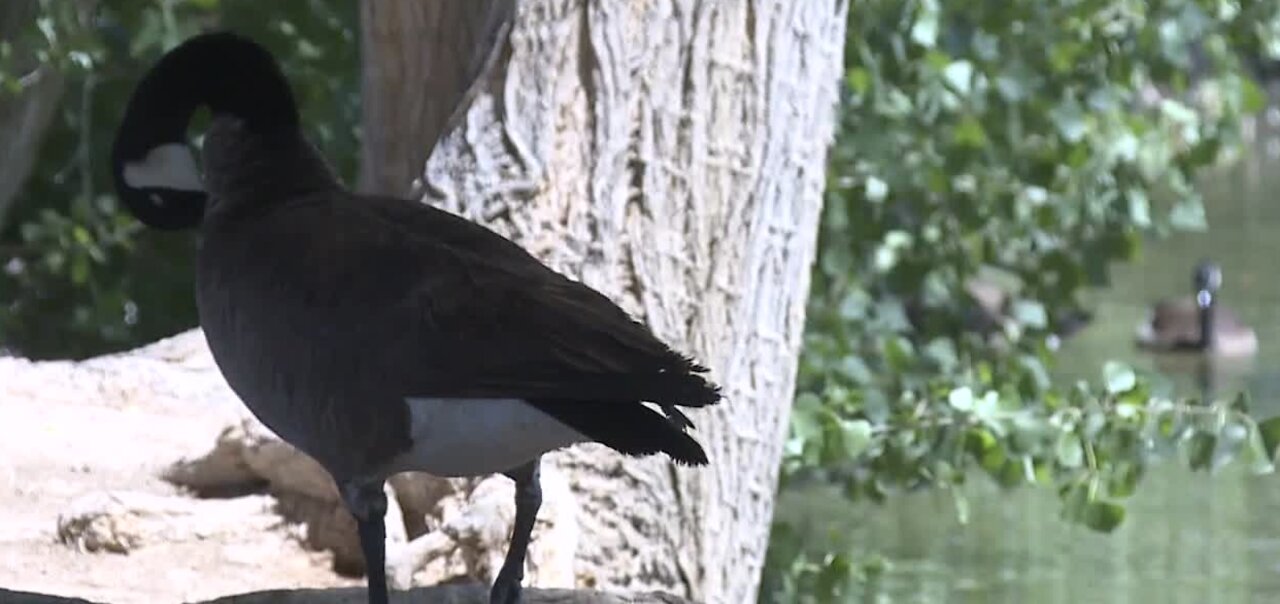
column 80, row 277
column 1026, row 144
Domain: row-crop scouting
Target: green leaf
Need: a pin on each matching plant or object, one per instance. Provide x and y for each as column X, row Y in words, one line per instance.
column 1188, row 214
column 925, row 29
column 981, row 444
column 805, row 420
column 1103, row 516
column 1139, row 207
column 837, row 262
column 1270, row 431
column 855, row 305
column 1200, row 450
column 79, row 272
column 1030, row 313
column 1119, row 377
column 1241, row 402
column 1070, row 121
column 961, row 505
column 1070, row 451
column 969, row 133
column 1010, row 474
column 959, row 76
column 858, row 79
column 961, row 399
column 856, row 435
column 854, row 369
column 1124, row 481
column 835, row 577
column 81, row 235
column 898, row 352
column 1256, row 454
column 942, row 352
column 1074, row 499
column 876, row 189
column 986, row 407
column 1253, row 99
column 1011, row 88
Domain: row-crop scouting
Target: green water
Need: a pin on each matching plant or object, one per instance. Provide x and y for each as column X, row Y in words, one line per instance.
column 1188, row 538
column 1243, row 207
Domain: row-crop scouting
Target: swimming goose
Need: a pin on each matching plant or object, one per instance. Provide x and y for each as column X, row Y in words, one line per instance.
column 381, row 335
column 1198, row 323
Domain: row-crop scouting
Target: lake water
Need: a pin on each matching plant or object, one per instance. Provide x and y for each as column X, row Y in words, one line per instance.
column 1242, row 203
column 1188, row 538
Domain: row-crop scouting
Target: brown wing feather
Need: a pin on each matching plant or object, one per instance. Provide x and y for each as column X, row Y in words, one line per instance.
column 326, row 331
column 483, row 318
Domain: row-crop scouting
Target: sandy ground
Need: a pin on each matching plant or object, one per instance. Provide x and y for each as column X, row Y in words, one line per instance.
column 54, row 451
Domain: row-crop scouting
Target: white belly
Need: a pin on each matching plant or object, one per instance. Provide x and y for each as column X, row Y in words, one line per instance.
column 471, row 437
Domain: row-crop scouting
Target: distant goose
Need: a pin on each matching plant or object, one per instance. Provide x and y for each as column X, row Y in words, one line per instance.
column 382, row 335
column 1198, row 323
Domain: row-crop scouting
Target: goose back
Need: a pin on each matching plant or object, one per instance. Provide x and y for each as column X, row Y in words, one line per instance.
column 1176, row 325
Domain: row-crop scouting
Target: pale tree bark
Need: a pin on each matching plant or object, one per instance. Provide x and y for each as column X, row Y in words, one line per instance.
column 411, row 85
column 668, row 152
column 26, row 113
column 671, row 154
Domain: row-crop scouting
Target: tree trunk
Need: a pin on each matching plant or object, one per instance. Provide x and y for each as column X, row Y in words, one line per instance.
column 671, row 154
column 410, row 85
column 26, row 113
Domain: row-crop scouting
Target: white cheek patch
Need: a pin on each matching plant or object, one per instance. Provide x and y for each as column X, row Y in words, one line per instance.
column 169, row 166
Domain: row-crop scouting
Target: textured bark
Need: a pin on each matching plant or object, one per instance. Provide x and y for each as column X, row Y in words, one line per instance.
column 668, row 152
column 671, row 154
column 410, row 87
column 26, row 114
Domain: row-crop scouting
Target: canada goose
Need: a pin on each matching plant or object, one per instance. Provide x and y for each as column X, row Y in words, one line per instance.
column 382, row 335
column 1198, row 323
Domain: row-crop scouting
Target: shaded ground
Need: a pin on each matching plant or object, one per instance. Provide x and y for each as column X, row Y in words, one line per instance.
column 55, row 451
column 84, row 512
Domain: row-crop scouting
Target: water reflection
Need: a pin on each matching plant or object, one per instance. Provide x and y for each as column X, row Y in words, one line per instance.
column 1192, row 540
column 1188, row 538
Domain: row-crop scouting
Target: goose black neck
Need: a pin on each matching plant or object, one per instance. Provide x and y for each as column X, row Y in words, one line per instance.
column 1205, row 303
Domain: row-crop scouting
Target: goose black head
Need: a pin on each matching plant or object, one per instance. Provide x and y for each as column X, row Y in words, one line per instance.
column 155, row 171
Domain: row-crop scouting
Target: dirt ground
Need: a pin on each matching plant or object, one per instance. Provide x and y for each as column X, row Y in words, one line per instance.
column 54, row 451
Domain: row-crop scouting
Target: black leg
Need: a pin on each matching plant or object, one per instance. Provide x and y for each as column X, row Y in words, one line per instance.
column 506, row 589
column 368, row 504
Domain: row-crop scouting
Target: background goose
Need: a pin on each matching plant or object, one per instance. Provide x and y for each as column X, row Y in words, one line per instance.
column 1198, row 322
column 381, row 335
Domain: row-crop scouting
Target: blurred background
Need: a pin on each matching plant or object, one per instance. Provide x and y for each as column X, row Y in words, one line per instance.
column 1013, row 186
column 80, row 277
